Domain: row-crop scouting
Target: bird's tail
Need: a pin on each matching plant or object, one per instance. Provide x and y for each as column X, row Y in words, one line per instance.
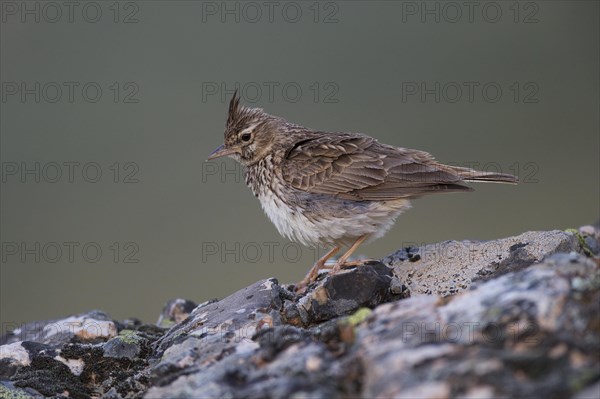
column 472, row 175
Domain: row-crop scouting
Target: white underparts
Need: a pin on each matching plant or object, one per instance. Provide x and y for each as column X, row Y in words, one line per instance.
column 342, row 228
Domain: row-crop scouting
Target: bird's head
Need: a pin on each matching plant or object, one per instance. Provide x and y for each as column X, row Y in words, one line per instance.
column 250, row 134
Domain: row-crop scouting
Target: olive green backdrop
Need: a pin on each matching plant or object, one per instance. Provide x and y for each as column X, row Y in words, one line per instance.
column 109, row 110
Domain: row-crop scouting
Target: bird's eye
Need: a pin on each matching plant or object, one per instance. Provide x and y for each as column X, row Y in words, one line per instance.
column 246, row 137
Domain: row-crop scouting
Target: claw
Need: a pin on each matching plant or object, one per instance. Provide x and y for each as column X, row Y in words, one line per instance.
column 313, row 274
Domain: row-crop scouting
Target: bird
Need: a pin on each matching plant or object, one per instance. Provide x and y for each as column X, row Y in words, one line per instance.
column 333, row 189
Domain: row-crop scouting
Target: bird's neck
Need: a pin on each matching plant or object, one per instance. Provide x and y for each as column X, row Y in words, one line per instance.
column 259, row 176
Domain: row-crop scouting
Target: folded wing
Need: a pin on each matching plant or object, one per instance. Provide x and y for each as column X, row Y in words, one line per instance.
column 358, row 167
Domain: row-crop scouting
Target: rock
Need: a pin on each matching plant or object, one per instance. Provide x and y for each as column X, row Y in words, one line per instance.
column 13, row 356
column 9, row 391
column 527, row 325
column 592, row 392
column 94, row 326
column 590, row 239
column 175, row 311
column 293, row 372
column 246, row 332
column 77, row 368
column 337, row 295
column 217, row 329
column 523, row 334
column 128, row 344
column 83, row 370
column 450, row 267
column 52, row 374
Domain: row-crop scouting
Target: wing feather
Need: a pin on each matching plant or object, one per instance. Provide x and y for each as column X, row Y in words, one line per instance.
column 354, row 166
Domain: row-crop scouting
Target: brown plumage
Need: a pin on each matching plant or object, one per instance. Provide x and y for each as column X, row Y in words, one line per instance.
column 333, row 189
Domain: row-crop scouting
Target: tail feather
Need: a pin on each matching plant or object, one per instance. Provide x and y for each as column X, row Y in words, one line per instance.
column 472, row 175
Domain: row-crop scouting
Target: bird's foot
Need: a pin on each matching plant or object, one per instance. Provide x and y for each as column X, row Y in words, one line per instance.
column 311, row 277
column 313, row 274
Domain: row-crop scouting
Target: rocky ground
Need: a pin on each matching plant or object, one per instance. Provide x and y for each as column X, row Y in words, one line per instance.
column 515, row 317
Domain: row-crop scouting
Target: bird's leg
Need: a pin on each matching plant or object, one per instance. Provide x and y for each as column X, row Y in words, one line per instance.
column 342, row 261
column 314, row 271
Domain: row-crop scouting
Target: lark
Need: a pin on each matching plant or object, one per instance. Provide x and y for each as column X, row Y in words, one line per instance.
column 333, row 189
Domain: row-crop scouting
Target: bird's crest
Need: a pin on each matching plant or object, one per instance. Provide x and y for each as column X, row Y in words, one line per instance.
column 234, row 109
column 239, row 116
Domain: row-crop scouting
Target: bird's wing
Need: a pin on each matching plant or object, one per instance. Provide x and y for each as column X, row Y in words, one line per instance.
column 358, row 167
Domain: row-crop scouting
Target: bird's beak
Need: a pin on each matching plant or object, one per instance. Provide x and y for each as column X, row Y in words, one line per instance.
column 221, row 151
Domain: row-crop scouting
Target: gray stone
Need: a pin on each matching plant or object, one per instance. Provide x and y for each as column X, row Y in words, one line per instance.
column 79, row 369
column 523, row 334
column 590, row 236
column 94, row 326
column 9, row 391
column 21, row 354
column 175, row 311
column 217, row 329
column 299, row 368
column 128, row 344
column 450, row 267
column 592, row 392
column 343, row 293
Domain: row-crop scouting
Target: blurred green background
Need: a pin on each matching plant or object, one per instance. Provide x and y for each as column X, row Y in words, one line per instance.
column 138, row 92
